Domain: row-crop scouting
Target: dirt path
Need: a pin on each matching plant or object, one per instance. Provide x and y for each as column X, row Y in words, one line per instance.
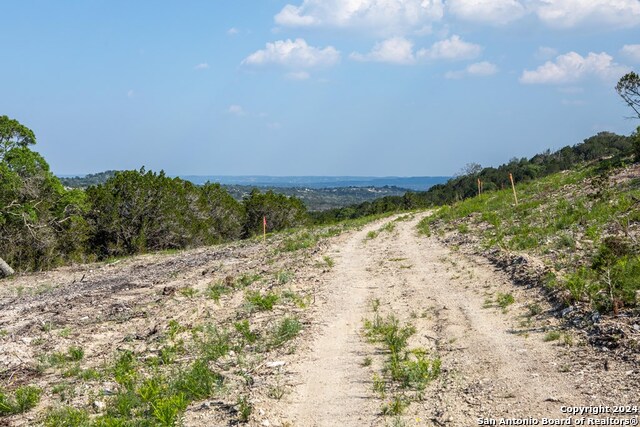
column 495, row 363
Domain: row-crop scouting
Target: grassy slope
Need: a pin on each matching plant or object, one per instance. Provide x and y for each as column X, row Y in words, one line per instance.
column 582, row 224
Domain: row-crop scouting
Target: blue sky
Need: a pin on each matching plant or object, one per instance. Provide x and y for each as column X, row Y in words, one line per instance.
column 313, row 87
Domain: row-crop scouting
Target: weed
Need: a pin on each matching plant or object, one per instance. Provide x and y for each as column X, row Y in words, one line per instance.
column 66, row 416
column 277, row 391
column 75, row 353
column 329, row 261
column 214, row 343
column 65, row 332
column 396, row 406
column 244, row 329
column 216, row 290
column 283, row 277
column 244, row 409
column 301, row 241
column 367, row 361
column 262, row 302
column 197, row 382
column 174, row 328
column 246, row 280
column 504, row 300
column 287, row 329
column 552, row 336
column 167, row 410
column 24, row 398
column 299, row 301
column 379, row 385
column 388, row 227
column 371, row 235
column 188, row 292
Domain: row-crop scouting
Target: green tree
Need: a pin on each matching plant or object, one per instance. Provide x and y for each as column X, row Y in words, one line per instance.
column 281, row 211
column 13, row 134
column 628, row 88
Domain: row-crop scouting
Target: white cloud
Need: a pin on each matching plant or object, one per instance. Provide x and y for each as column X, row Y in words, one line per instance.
column 498, row 12
column 396, row 50
column 453, row 48
column 232, row 31
column 479, row 69
column 130, row 93
column 483, row 68
column 202, row 66
column 631, row 51
column 544, row 53
column 236, row 110
column 298, row 75
column 572, row 67
column 295, row 54
column 380, row 16
column 571, row 13
column 274, row 126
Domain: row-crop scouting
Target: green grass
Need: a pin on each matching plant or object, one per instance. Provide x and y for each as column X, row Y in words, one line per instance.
column 371, row 235
column 23, row 399
column 262, row 302
column 552, row 336
column 566, row 219
column 303, row 240
column 504, row 300
column 67, row 416
column 404, row 369
column 286, row 329
column 216, row 290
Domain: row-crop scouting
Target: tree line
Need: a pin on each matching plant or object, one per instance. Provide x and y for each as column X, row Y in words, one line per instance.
column 609, row 147
column 43, row 224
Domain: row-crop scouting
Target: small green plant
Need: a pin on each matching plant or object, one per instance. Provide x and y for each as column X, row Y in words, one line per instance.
column 66, row 416
column 371, row 235
column 367, row 361
column 504, row 300
column 262, row 302
column 75, row 353
column 287, row 329
column 388, row 227
column 379, row 385
column 188, row 292
column 244, row 409
column 24, row 398
column 244, row 329
column 552, row 336
column 328, row 261
column 396, row 406
column 167, row 410
column 216, row 290
column 283, row 277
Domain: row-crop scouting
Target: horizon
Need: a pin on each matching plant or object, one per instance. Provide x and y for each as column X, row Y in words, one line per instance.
column 313, row 88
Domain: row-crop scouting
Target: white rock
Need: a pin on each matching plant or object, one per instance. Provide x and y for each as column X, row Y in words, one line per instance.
column 276, row 364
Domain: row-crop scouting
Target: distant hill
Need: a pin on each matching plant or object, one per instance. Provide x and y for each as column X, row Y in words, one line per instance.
column 415, row 183
column 320, row 199
column 317, row 192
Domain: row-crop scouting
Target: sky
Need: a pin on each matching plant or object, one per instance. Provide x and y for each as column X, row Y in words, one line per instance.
column 313, row 87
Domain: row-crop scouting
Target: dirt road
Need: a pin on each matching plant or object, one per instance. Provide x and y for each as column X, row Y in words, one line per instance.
column 502, row 352
column 496, row 362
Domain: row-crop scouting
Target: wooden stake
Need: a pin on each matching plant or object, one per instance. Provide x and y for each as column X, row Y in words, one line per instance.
column 479, row 188
column 513, row 186
column 264, row 229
